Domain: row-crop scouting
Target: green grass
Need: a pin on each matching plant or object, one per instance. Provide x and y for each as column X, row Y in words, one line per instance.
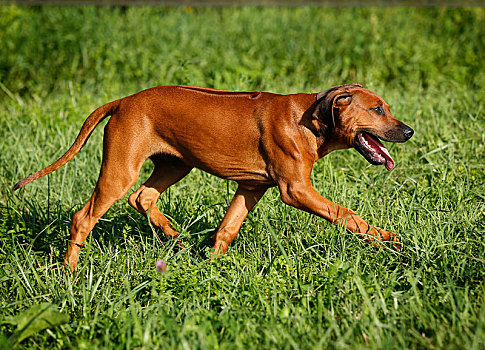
column 289, row 280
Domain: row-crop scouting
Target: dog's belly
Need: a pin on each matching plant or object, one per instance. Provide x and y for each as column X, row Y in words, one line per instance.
column 236, row 159
column 230, row 170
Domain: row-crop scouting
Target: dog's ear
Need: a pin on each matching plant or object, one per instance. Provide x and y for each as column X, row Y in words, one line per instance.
column 338, row 96
column 337, row 90
column 343, row 100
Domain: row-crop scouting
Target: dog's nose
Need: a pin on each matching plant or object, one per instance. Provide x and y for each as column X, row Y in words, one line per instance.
column 407, row 131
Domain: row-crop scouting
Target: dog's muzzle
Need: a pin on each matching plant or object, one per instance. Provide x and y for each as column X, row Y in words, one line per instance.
column 374, row 151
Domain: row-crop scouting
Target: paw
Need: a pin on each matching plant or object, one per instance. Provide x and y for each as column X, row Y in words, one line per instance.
column 391, row 237
column 220, row 248
column 377, row 235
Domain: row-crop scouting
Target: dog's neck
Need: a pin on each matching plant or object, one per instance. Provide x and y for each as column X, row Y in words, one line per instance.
column 322, row 130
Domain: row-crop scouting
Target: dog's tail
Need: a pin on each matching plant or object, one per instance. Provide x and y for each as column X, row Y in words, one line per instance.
column 86, row 130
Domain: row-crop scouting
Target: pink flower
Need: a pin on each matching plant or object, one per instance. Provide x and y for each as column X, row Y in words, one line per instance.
column 161, row 266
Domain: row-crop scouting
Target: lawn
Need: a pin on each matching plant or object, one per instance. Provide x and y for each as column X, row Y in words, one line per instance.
column 290, row 280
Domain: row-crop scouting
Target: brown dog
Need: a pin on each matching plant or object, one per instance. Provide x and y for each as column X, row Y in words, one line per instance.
column 257, row 139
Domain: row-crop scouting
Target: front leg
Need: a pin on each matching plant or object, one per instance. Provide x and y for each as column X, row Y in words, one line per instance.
column 242, row 203
column 301, row 194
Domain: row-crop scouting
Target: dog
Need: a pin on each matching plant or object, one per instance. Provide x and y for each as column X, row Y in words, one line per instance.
column 257, row 139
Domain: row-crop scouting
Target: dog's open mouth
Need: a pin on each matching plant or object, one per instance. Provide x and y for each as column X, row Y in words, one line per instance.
column 373, row 150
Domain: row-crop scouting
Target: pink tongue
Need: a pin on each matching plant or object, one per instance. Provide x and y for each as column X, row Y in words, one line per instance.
column 381, row 150
column 389, row 161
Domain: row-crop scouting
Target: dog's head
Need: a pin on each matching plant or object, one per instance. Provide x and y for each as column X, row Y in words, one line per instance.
column 357, row 117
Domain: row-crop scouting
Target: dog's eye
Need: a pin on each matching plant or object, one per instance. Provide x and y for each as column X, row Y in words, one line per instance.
column 378, row 110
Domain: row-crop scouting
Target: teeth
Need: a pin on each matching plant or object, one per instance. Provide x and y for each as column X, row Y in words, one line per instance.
column 364, row 142
column 372, row 150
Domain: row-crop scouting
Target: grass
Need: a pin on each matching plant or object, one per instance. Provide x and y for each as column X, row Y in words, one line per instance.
column 290, row 280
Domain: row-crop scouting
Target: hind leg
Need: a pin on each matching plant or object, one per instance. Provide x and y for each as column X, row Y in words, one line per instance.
column 144, row 200
column 123, row 156
column 108, row 190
